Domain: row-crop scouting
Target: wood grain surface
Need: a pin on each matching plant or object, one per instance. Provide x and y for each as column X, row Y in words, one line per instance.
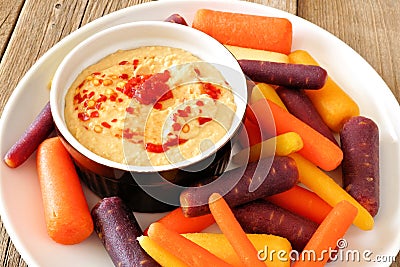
column 29, row 28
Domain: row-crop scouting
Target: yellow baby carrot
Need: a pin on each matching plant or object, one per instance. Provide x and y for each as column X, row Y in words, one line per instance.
column 281, row 145
column 327, row 189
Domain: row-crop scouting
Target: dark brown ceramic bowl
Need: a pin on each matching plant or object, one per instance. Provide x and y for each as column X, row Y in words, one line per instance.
column 146, row 188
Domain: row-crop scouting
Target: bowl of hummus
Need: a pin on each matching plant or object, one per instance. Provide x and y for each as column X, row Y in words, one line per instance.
column 148, row 108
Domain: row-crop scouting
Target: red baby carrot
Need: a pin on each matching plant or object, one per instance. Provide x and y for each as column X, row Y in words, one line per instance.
column 250, row 134
column 176, row 18
column 181, row 247
column 34, row 135
column 118, row 229
column 359, row 139
column 231, row 228
column 317, row 148
column 302, row 202
column 176, row 221
column 284, row 74
column 300, row 105
column 327, row 234
column 244, row 30
column 236, row 184
column 262, row 217
column 66, row 211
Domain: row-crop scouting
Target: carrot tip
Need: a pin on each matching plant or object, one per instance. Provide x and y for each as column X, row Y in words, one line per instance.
column 214, row 197
column 10, row 163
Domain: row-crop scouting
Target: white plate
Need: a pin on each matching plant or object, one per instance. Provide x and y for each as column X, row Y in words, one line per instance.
column 20, row 200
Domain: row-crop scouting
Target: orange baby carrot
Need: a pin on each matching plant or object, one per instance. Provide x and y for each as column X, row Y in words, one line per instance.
column 316, row 148
column 181, row 247
column 244, row 30
column 66, row 211
column 177, row 222
column 331, row 102
column 302, row 202
column 327, row 235
column 231, row 228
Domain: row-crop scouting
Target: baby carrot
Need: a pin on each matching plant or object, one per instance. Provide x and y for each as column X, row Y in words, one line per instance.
column 176, row 221
column 280, row 145
column 218, row 244
column 231, row 228
column 187, row 251
column 176, row 18
column 250, row 134
column 316, row 148
column 263, row 90
column 359, row 139
column 302, row 202
column 284, row 74
column 34, row 135
column 327, row 189
column 159, row 254
column 299, row 104
column 331, row 102
column 66, row 211
column 244, row 30
column 249, row 53
column 118, row 230
column 327, row 235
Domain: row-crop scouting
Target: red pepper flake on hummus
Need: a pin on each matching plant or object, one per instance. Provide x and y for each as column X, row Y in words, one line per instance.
column 159, row 148
column 135, row 63
column 106, row 124
column 124, row 76
column 203, row 120
column 211, row 90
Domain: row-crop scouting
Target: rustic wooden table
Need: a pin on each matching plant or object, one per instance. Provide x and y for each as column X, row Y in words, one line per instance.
column 28, row 28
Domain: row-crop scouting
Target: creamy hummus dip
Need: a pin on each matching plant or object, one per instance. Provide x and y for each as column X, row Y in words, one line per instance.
column 149, row 106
